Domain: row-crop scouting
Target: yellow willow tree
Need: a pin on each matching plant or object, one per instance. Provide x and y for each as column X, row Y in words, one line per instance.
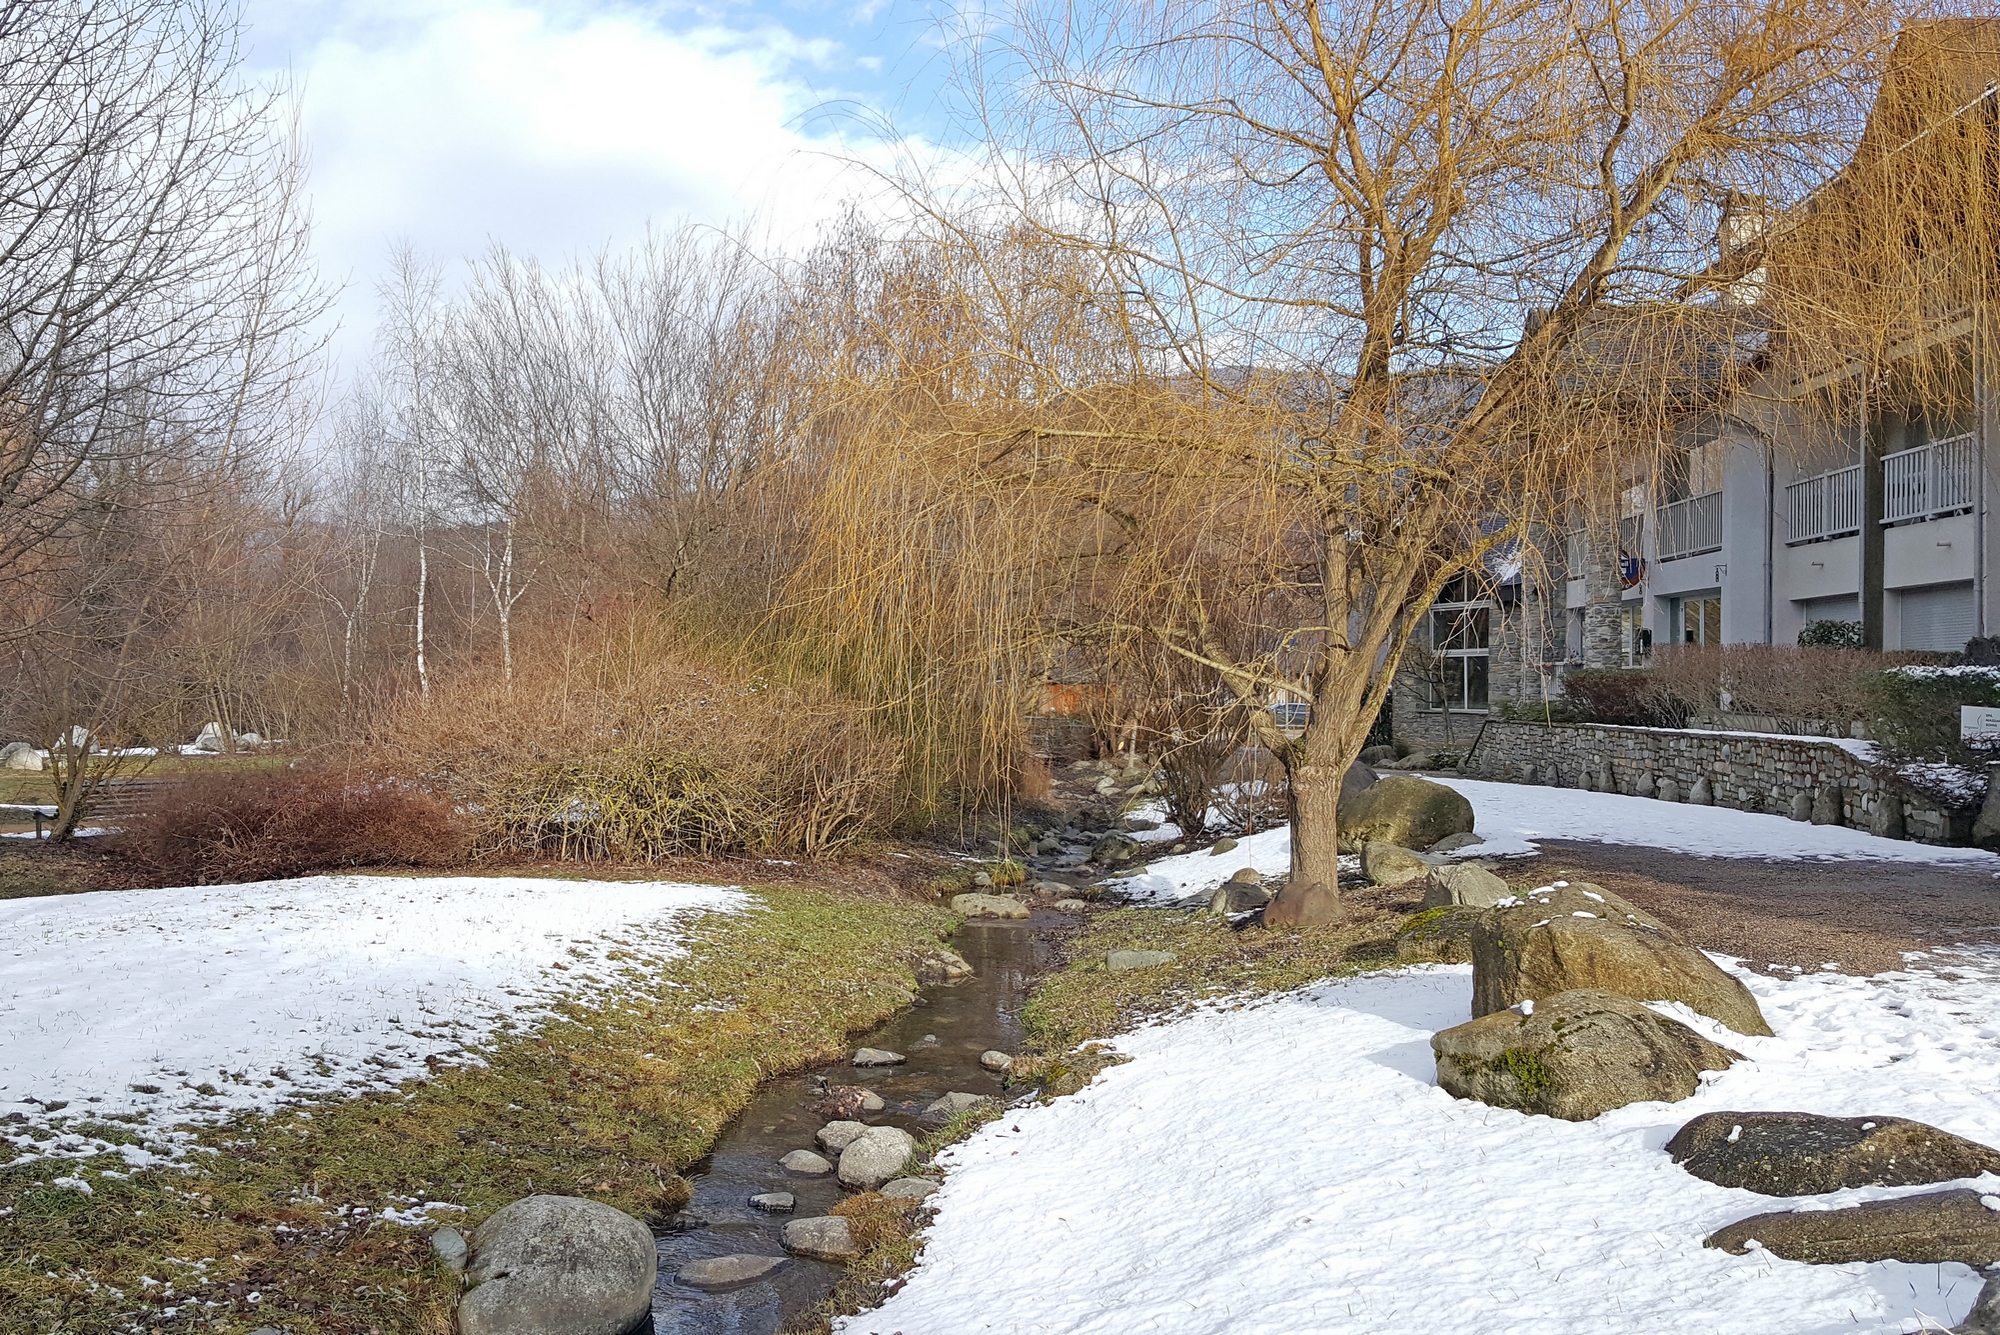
column 1299, row 311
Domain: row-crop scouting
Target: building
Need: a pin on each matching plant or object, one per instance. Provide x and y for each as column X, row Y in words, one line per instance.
column 1863, row 495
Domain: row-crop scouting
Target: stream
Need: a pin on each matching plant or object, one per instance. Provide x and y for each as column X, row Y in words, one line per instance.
column 942, row 1034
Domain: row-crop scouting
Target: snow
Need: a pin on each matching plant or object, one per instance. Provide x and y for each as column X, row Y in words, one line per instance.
column 1268, row 851
column 277, row 990
column 1511, row 816
column 1291, row 1166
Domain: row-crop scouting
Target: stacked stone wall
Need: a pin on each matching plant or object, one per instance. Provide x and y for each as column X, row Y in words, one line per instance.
column 1791, row 776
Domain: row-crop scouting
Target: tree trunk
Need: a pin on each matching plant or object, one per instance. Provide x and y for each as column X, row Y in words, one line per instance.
column 1316, row 825
column 423, row 579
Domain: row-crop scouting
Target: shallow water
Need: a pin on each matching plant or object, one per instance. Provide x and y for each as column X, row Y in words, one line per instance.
column 965, row 1019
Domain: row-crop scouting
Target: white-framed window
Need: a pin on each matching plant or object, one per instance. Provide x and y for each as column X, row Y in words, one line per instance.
column 1459, row 633
column 1696, row 620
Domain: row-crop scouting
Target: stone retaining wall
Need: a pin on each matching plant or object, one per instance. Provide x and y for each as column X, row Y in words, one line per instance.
column 1791, row 776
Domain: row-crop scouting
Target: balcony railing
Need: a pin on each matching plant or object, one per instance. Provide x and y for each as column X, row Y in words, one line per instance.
column 1827, row 506
column 1929, row 481
column 1690, row 527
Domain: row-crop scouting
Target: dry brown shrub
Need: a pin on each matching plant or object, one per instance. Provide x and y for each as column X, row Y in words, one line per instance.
column 1801, row 687
column 264, row 825
column 631, row 750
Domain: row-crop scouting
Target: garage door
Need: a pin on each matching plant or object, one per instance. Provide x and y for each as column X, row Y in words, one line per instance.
column 1939, row 617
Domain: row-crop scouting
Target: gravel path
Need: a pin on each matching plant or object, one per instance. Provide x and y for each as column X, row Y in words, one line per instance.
column 1861, row 916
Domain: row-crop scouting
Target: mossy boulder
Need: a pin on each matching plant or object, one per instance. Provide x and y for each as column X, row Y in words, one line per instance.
column 1437, row 935
column 1561, row 938
column 1574, row 1055
column 1404, row 810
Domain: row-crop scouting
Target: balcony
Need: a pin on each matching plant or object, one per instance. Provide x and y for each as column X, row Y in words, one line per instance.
column 1690, row 527
column 1931, row 480
column 1827, row 506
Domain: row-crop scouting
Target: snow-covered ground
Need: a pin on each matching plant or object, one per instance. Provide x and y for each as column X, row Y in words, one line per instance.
column 1512, row 816
column 1291, row 1166
column 188, row 1004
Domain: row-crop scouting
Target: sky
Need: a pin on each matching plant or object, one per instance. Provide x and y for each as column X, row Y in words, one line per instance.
column 560, row 126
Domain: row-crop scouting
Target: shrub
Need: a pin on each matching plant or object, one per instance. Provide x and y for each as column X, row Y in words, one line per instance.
column 1637, row 697
column 1833, row 635
column 631, row 753
column 265, row 825
column 1915, row 710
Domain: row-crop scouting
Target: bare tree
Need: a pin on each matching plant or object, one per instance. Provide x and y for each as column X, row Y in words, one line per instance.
column 152, row 251
column 1301, row 305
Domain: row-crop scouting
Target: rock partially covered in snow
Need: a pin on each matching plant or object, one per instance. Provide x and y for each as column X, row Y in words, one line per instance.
column 1573, row 1056
column 875, row 1156
column 558, row 1263
column 1930, row 1229
column 1804, row 1154
column 1575, row 936
column 20, row 755
column 826, row 1238
column 1402, row 810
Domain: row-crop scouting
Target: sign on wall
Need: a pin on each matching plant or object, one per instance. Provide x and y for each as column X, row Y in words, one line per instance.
column 1977, row 723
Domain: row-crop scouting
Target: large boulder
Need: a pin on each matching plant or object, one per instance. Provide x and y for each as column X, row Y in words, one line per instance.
column 1930, row 1229
column 1404, row 810
column 875, row 1156
column 1574, row 1055
column 1358, row 779
column 1388, row 864
column 1461, row 884
column 558, row 1265
column 20, row 755
column 1569, row 936
column 1804, row 1154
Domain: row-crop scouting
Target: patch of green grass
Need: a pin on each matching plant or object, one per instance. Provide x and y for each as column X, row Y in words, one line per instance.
column 612, row 1098
column 1085, row 1000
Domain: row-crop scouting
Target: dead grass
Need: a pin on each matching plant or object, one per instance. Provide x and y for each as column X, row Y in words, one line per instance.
column 613, row 1098
column 1085, row 1000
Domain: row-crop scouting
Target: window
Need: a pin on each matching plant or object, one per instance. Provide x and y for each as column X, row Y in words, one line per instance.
column 1458, row 636
column 1695, row 620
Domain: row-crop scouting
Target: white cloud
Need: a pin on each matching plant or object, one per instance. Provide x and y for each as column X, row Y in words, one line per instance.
column 553, row 128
